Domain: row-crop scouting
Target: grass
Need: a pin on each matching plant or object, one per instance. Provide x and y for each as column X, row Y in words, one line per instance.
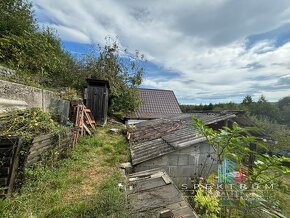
column 82, row 185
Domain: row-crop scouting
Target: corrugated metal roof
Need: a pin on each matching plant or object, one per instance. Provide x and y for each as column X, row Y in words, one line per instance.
column 155, row 138
column 153, row 191
column 156, row 103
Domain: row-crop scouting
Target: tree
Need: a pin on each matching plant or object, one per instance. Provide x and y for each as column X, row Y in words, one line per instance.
column 16, row 17
column 262, row 99
column 39, row 58
column 124, row 74
column 37, row 55
column 284, row 107
column 247, row 100
column 264, row 110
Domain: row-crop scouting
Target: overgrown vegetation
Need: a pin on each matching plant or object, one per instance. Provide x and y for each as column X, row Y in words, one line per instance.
column 124, row 76
column 27, row 123
column 39, row 59
column 83, row 185
column 258, row 169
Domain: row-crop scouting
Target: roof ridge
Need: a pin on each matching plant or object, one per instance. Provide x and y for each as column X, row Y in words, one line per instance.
column 167, row 90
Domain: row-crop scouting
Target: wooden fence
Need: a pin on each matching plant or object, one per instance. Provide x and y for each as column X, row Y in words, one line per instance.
column 9, row 159
column 38, row 150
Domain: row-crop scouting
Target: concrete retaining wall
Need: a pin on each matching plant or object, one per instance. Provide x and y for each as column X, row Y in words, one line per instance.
column 184, row 164
column 14, row 95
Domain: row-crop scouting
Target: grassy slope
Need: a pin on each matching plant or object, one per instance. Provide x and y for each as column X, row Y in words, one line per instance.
column 83, row 185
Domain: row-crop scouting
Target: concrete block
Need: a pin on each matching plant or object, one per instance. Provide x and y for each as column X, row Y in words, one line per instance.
column 173, row 171
column 186, row 171
column 173, row 159
column 192, row 159
column 183, row 160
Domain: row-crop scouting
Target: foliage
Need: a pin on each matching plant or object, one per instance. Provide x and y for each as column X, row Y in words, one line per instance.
column 16, row 17
column 262, row 169
column 227, row 142
column 78, row 186
column 280, row 134
column 275, row 112
column 264, row 109
column 26, row 123
column 36, row 54
column 206, row 202
column 40, row 58
column 124, row 76
column 247, row 100
column 284, row 107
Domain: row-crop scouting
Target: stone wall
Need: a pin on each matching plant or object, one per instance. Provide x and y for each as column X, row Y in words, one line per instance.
column 14, row 95
column 184, row 164
column 6, row 72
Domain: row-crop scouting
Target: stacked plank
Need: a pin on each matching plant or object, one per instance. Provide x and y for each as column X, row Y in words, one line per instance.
column 40, row 145
column 83, row 121
column 9, row 158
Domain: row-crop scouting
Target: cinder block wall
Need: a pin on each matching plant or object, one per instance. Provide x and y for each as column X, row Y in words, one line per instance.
column 184, row 164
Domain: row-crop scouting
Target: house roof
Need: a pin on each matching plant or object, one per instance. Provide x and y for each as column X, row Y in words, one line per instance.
column 155, row 103
column 153, row 191
column 155, row 138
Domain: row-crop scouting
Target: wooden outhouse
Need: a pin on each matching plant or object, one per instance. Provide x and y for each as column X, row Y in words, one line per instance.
column 97, row 97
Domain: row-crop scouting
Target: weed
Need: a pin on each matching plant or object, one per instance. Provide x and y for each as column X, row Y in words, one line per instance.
column 78, row 186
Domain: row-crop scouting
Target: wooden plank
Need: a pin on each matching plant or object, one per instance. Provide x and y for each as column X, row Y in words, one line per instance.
column 8, row 141
column 166, row 179
column 38, row 152
column 6, row 152
column 33, row 161
column 38, row 146
column 5, row 161
column 3, row 181
column 87, row 129
column 42, row 138
column 14, row 167
column 4, row 171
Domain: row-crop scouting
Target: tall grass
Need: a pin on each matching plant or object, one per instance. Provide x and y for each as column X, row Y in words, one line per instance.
column 83, row 185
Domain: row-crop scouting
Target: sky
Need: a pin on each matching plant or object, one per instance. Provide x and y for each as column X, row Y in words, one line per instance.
column 205, row 51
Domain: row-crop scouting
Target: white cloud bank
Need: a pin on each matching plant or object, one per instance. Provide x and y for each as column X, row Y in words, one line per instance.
column 204, row 41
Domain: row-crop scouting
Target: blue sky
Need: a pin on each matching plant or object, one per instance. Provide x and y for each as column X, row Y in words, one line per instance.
column 206, row 51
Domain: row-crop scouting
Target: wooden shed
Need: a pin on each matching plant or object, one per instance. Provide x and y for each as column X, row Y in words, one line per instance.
column 97, row 96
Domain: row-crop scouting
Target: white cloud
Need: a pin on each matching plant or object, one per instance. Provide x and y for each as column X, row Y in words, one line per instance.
column 204, row 41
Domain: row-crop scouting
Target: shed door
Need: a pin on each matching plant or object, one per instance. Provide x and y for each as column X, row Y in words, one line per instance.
column 96, row 102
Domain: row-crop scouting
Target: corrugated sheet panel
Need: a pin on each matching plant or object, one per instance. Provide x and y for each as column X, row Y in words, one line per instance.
column 155, row 138
column 152, row 191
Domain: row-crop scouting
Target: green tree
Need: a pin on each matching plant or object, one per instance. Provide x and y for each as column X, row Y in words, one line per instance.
column 124, row 75
column 16, row 17
column 264, row 110
column 247, row 100
column 235, row 144
column 284, row 107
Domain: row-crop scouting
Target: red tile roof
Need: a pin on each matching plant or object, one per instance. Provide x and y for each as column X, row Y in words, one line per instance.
column 155, row 104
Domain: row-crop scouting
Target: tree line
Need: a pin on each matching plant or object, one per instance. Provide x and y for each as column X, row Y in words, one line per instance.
column 271, row 117
column 275, row 112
